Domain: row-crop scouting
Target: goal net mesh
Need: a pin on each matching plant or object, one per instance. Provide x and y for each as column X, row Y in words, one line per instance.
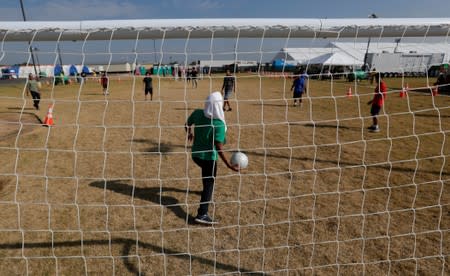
column 102, row 181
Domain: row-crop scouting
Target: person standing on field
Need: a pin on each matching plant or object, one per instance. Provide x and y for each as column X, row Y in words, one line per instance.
column 208, row 139
column 377, row 102
column 148, row 85
column 104, row 81
column 188, row 75
column 33, row 89
column 194, row 74
column 299, row 87
column 228, row 87
column 441, row 81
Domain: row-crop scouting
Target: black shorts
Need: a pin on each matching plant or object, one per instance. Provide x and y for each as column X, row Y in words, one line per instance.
column 148, row 91
column 375, row 110
column 297, row 95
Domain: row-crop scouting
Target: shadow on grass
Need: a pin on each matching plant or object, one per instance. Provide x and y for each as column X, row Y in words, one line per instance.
column 419, row 114
column 128, row 245
column 424, row 90
column 158, row 147
column 24, row 113
column 20, row 108
column 327, row 126
column 342, row 164
column 272, row 104
column 154, row 194
column 184, row 108
column 93, row 94
column 26, row 123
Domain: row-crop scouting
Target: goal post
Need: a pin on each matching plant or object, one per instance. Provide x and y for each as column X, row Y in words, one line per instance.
column 109, row 186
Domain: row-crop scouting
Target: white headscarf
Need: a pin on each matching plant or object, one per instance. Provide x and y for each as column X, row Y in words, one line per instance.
column 214, row 107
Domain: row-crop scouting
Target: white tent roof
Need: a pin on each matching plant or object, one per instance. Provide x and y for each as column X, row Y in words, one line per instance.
column 219, row 63
column 322, row 55
column 337, row 58
column 301, row 55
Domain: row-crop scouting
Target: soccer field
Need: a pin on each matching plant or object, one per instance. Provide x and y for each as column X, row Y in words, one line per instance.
column 111, row 187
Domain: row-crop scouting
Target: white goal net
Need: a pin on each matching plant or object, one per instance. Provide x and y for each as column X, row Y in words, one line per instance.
column 342, row 179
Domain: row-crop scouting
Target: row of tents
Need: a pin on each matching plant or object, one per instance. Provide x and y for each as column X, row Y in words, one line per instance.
column 16, row 71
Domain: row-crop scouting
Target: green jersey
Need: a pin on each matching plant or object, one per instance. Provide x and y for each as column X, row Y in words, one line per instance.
column 206, row 132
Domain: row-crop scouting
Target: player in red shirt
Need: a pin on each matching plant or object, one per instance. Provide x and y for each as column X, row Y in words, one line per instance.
column 377, row 102
column 104, row 81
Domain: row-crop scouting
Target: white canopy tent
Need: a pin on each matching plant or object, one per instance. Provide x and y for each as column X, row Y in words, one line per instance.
column 337, row 58
column 296, row 56
column 352, row 53
column 358, row 50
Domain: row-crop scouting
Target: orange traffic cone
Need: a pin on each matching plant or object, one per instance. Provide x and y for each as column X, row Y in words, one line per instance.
column 404, row 91
column 435, row 91
column 349, row 92
column 48, row 121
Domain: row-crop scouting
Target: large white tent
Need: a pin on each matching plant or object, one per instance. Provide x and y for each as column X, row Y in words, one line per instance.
column 358, row 50
column 352, row 53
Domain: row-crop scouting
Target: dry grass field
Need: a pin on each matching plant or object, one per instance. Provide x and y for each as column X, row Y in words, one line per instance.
column 111, row 188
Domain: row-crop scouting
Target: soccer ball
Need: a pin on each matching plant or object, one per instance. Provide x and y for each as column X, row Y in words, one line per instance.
column 239, row 158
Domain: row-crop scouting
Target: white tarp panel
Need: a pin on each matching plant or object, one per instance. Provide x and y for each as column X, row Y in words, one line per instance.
column 301, row 55
column 221, row 63
column 24, row 71
column 358, row 50
column 352, row 53
column 338, row 58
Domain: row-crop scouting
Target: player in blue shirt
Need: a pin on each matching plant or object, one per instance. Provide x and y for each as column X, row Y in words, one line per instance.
column 299, row 87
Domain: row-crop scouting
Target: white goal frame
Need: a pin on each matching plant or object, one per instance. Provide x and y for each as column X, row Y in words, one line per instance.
column 202, row 28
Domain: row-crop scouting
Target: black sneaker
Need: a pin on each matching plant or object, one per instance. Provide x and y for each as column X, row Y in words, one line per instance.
column 204, row 219
column 374, row 128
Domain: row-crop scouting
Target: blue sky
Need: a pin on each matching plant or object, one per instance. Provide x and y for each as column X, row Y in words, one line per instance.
column 154, row 9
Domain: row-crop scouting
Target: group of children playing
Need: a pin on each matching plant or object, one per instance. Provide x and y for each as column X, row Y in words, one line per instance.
column 299, row 87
